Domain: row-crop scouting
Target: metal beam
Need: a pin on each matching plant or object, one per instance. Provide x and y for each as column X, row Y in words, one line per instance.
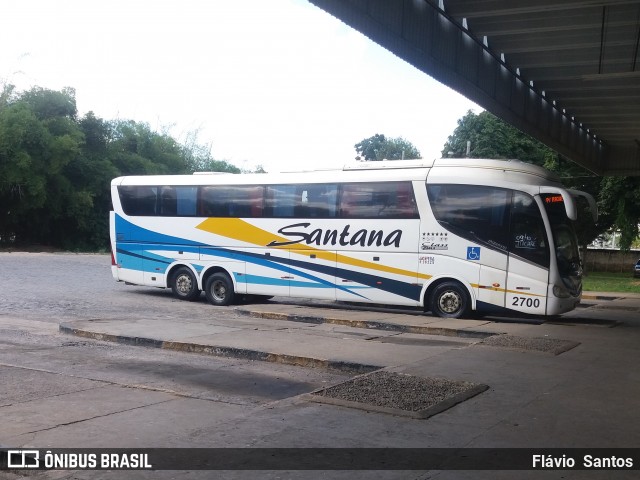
column 425, row 35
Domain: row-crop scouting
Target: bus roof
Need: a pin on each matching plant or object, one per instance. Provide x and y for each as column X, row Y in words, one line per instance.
column 447, row 169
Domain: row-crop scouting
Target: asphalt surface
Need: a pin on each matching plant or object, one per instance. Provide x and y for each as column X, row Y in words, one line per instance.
column 557, row 383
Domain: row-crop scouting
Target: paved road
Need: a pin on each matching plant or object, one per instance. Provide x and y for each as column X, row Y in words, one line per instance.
column 62, row 391
column 65, row 391
column 55, row 287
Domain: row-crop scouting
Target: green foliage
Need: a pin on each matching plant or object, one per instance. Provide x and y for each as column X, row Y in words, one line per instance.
column 56, row 169
column 575, row 177
column 491, row 137
column 611, row 282
column 619, row 201
column 380, row 147
column 37, row 140
column 211, row 165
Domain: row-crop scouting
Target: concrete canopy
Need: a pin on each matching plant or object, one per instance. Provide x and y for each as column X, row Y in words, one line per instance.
column 566, row 72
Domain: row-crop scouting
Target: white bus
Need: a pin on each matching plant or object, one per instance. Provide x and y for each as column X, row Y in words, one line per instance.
column 452, row 236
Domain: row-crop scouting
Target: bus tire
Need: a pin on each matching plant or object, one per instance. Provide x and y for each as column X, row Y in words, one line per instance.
column 219, row 289
column 450, row 300
column 184, row 284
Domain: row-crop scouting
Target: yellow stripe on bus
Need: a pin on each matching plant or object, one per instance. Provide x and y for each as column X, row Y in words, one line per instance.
column 238, row 229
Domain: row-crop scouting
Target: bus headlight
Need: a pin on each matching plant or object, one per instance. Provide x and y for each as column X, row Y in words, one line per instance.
column 561, row 292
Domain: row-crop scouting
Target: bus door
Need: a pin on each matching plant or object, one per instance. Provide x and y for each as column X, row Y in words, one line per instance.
column 528, row 272
column 486, row 215
column 493, row 275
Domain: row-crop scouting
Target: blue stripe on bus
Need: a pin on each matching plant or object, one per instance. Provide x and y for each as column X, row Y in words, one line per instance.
column 261, row 280
column 152, row 260
column 144, row 236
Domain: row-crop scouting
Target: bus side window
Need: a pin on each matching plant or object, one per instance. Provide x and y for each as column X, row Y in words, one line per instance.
column 406, row 201
column 478, row 213
column 378, row 200
column 256, row 201
column 280, row 201
column 148, row 201
column 210, row 205
column 316, row 201
column 138, row 201
column 186, row 200
column 168, row 202
column 241, row 201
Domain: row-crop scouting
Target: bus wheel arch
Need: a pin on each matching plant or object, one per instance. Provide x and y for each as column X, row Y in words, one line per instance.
column 448, row 298
column 183, row 282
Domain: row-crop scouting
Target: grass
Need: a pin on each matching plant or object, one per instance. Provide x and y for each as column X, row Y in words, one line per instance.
column 611, row 282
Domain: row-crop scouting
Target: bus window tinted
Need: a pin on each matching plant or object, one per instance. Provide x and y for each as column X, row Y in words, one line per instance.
column 280, row 201
column 378, row 200
column 317, row 201
column 301, row 201
column 161, row 201
column 477, row 213
column 245, row 201
column 139, row 201
column 178, row 201
column 357, row 200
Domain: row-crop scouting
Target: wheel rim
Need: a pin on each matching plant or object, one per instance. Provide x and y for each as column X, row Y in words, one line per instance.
column 450, row 302
column 184, row 285
column 219, row 290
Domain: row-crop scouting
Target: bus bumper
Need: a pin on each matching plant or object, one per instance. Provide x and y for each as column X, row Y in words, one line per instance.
column 558, row 305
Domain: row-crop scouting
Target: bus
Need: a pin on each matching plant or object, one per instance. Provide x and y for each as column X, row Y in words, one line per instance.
column 453, row 236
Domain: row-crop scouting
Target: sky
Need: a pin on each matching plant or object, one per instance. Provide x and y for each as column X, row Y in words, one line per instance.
column 277, row 83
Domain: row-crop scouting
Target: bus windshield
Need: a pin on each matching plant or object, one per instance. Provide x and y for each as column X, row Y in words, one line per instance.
column 566, row 242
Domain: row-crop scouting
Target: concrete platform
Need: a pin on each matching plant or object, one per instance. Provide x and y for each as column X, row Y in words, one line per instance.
column 582, row 397
column 343, row 337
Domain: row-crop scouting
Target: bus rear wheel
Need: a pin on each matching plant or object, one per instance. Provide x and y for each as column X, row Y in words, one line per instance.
column 219, row 289
column 184, row 284
column 450, row 300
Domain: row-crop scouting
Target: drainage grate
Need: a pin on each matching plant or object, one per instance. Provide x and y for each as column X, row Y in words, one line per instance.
column 398, row 394
column 538, row 344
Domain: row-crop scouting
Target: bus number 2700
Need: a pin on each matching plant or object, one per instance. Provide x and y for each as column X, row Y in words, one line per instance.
column 526, row 302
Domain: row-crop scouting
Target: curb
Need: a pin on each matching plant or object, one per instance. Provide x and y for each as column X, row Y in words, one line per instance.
column 368, row 324
column 601, row 297
column 223, row 351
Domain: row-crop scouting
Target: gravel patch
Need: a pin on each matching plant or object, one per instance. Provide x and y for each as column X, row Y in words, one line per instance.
column 398, row 393
column 539, row 344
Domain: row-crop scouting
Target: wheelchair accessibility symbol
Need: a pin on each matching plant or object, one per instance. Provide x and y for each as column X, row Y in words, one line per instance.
column 473, row 253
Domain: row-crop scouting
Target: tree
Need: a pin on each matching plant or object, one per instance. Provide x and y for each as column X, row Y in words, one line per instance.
column 38, row 138
column 199, row 159
column 380, row 147
column 619, row 201
column 135, row 149
column 56, row 169
column 490, row 137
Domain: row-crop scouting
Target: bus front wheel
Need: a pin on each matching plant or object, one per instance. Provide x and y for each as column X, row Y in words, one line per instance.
column 184, row 284
column 450, row 300
column 219, row 289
